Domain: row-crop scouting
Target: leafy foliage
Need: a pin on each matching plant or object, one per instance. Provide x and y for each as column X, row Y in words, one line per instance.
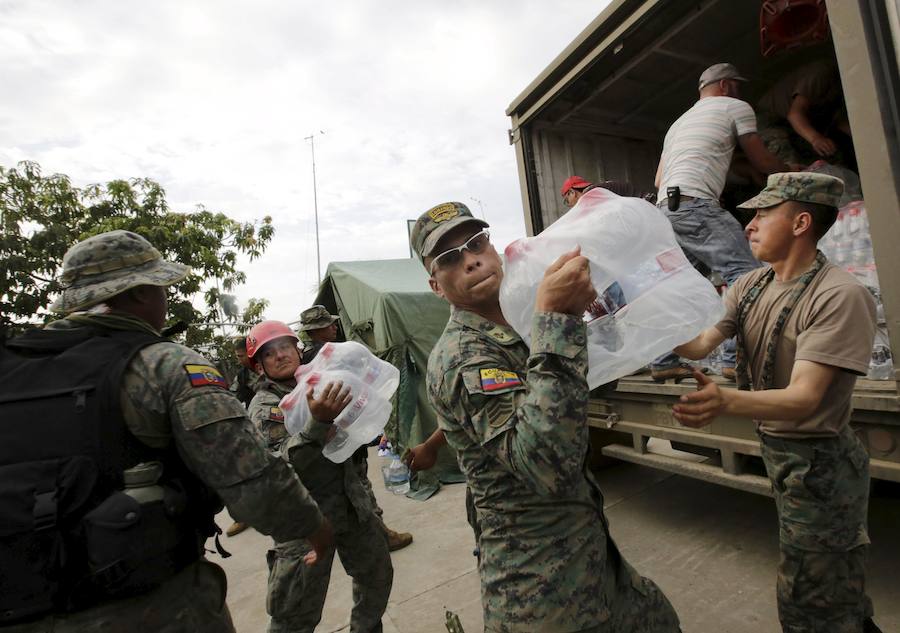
column 42, row 216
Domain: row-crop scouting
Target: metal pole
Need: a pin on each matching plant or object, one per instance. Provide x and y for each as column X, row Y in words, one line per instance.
column 312, row 143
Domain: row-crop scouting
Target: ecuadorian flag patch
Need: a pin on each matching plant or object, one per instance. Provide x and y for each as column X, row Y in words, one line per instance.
column 203, row 375
column 493, row 379
column 276, row 414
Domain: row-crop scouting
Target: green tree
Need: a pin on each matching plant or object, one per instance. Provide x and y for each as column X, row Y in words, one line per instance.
column 42, row 216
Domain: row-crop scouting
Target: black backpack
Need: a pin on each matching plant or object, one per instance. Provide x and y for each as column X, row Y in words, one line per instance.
column 69, row 535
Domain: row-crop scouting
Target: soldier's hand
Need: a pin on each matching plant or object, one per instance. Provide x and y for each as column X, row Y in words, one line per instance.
column 701, row 407
column 566, row 286
column 321, row 541
column 333, row 399
column 823, row 145
column 421, row 457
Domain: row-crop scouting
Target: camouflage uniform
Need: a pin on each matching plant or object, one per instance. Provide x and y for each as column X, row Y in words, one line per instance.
column 518, row 422
column 244, row 385
column 296, row 593
column 164, row 406
column 315, row 318
column 821, row 489
column 820, row 484
column 265, row 412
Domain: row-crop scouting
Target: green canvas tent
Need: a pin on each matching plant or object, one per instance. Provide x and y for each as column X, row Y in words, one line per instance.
column 388, row 306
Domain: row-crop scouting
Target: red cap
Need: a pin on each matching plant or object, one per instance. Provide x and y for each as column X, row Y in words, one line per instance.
column 574, row 182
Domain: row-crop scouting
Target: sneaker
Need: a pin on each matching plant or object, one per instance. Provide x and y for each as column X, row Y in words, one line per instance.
column 729, row 373
column 397, row 540
column 677, row 373
column 236, row 528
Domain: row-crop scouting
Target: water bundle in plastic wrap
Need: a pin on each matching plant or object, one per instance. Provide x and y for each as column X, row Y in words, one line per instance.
column 848, row 244
column 372, row 382
column 650, row 298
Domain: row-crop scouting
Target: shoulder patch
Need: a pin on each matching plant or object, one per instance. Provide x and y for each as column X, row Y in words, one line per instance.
column 205, row 375
column 500, row 335
column 492, row 379
column 276, row 414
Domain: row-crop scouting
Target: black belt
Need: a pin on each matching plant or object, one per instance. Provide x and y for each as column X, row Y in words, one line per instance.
column 665, row 201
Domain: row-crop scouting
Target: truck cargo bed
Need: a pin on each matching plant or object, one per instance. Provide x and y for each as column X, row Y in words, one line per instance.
column 727, row 451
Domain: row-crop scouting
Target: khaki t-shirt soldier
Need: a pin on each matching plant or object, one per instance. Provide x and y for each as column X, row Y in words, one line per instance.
column 830, row 324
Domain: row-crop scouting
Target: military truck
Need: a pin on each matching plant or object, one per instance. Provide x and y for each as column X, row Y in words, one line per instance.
column 601, row 110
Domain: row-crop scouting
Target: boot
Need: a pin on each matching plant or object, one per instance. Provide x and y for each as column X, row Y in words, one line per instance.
column 677, row 373
column 236, row 528
column 729, row 373
column 397, row 540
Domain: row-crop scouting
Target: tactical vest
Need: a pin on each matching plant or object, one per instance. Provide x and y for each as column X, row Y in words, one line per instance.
column 71, row 533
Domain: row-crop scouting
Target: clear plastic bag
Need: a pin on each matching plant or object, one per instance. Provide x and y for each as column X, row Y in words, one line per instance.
column 372, row 382
column 650, row 298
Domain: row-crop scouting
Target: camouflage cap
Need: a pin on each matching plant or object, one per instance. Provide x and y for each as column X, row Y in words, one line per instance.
column 108, row 264
column 436, row 222
column 801, row 186
column 315, row 318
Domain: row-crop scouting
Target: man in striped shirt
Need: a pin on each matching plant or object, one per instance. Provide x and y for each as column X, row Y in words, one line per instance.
column 696, row 156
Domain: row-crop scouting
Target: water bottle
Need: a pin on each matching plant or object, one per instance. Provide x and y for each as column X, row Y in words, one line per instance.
column 371, row 381
column 359, row 361
column 881, row 367
column 652, row 299
column 141, row 482
column 396, row 475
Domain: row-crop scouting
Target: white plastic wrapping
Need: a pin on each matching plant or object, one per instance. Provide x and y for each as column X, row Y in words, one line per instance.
column 650, row 297
column 372, row 382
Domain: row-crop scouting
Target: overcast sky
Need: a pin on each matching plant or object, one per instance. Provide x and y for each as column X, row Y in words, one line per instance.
column 214, row 99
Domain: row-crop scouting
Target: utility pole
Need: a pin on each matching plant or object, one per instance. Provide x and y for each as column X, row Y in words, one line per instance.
column 480, row 206
column 312, row 143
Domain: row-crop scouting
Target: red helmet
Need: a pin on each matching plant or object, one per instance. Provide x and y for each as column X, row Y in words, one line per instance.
column 262, row 333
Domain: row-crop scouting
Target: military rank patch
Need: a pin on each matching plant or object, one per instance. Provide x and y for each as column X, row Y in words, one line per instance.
column 276, row 414
column 493, row 379
column 443, row 212
column 204, row 375
column 500, row 409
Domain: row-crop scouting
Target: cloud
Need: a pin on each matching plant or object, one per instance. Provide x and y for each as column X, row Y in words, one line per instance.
column 214, row 99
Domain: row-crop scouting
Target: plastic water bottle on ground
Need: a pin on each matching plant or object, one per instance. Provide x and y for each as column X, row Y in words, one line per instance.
column 396, row 475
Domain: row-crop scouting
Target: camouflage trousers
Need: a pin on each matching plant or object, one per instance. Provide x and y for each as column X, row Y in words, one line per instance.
column 193, row 601
column 296, row 592
column 821, row 489
column 362, row 468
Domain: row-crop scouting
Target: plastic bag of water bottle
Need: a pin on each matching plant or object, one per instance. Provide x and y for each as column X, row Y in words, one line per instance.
column 372, row 382
column 650, row 298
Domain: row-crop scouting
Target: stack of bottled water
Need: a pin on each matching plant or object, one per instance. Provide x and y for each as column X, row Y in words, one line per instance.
column 849, row 244
column 652, row 299
column 372, row 382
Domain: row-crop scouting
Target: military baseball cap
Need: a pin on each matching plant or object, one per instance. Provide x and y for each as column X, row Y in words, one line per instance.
column 316, row 317
column 718, row 72
column 801, row 186
column 108, row 264
column 436, row 223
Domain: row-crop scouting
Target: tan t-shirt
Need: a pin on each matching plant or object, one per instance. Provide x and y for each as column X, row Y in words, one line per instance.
column 833, row 323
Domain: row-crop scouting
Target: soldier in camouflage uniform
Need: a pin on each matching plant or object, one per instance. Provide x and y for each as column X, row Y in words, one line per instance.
column 171, row 396
column 296, row 592
column 518, row 422
column 321, row 327
column 804, row 329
